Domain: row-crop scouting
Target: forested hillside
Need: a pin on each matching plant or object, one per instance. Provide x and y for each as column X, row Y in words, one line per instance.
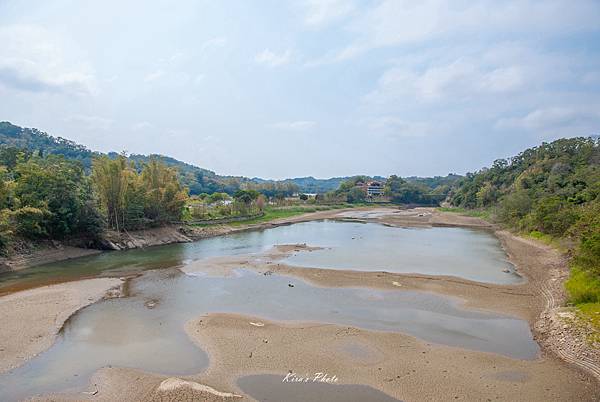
column 197, row 179
column 552, row 190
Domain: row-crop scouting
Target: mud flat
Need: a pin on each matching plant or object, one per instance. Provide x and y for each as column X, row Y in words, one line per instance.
column 31, row 319
column 399, row 365
column 391, row 365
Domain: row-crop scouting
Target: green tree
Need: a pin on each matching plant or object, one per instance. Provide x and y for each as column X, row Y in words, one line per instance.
column 55, row 189
column 112, row 180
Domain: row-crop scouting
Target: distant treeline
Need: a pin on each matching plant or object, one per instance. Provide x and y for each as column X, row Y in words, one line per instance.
column 412, row 190
column 552, row 190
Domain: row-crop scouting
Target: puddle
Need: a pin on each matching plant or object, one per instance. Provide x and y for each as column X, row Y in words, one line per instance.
column 271, row 388
column 127, row 333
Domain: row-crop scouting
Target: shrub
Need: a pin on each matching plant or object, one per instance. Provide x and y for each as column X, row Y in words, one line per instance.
column 583, row 287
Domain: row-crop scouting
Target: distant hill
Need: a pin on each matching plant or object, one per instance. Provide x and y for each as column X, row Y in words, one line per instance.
column 312, row 186
column 197, row 179
column 36, row 140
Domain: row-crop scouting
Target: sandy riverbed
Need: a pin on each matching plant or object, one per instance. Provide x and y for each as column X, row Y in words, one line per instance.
column 31, row 319
column 384, row 360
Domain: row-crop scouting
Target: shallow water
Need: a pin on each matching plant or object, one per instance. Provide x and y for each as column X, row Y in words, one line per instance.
column 126, row 333
column 271, row 388
column 465, row 253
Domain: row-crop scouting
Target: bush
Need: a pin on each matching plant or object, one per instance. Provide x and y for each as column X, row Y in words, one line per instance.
column 30, row 222
column 583, row 287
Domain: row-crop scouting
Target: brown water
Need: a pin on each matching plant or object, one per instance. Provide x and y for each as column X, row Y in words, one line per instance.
column 272, row 388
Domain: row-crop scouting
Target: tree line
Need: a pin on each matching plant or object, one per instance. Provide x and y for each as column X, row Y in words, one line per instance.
column 551, row 190
column 414, row 190
column 52, row 197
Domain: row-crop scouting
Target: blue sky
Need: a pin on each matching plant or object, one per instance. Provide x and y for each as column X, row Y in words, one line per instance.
column 325, row 88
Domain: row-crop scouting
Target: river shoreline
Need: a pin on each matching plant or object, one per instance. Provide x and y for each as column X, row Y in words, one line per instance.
column 54, row 251
column 547, row 378
column 33, row 318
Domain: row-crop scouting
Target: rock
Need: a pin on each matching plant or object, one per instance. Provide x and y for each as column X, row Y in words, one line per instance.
column 151, row 304
column 290, row 285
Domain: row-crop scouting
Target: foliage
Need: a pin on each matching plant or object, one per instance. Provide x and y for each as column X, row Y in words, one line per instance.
column 132, row 200
column 552, row 191
column 583, row 287
column 56, row 188
column 273, row 189
column 414, row 190
column 30, row 221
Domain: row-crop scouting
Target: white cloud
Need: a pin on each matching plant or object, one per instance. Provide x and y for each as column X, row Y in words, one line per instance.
column 406, row 22
column 300, row 125
column 273, row 59
column 142, row 125
column 556, row 117
column 322, row 12
column 199, row 79
column 463, row 78
column 212, row 43
column 395, row 127
column 33, row 59
column 90, row 122
column 503, row 79
column 154, row 75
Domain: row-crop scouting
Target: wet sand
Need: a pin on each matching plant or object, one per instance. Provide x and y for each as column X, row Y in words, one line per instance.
column 31, row 319
column 400, row 366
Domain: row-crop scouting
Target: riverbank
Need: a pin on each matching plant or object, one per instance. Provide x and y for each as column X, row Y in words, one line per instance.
column 32, row 319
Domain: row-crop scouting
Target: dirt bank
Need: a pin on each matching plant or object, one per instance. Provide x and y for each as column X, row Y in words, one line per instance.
column 31, row 319
column 144, row 238
column 42, row 254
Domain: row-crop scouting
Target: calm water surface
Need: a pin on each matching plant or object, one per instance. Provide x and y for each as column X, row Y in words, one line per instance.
column 466, row 253
column 270, row 388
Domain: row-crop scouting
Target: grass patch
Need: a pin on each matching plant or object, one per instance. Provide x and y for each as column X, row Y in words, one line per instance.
column 583, row 287
column 591, row 313
column 272, row 213
column 546, row 239
column 476, row 213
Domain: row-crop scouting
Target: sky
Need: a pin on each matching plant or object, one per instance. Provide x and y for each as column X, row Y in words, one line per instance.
column 278, row 89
